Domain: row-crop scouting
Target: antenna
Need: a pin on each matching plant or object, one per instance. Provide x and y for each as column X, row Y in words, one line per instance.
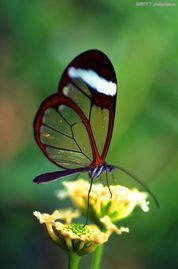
column 140, row 182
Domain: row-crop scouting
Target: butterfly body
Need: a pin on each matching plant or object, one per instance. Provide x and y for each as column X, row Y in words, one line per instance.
column 73, row 127
column 100, row 169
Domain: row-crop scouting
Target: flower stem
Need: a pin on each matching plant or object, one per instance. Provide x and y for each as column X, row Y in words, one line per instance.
column 73, row 260
column 96, row 259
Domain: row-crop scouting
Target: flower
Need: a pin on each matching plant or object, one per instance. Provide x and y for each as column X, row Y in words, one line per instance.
column 66, row 215
column 111, row 227
column 117, row 207
column 73, row 237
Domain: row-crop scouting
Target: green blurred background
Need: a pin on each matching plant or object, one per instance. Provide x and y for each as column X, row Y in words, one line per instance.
column 38, row 38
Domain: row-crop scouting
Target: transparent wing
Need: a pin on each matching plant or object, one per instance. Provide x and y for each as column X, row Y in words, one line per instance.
column 61, row 134
column 73, row 128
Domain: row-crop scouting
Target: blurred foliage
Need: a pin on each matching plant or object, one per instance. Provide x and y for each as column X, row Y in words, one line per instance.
column 37, row 40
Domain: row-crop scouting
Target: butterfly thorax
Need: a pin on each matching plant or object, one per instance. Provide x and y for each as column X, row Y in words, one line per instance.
column 100, row 169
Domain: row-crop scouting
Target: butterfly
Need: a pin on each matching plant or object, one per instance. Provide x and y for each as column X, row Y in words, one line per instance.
column 74, row 126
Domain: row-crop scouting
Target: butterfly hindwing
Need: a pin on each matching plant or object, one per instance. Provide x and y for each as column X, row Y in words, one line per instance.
column 56, row 132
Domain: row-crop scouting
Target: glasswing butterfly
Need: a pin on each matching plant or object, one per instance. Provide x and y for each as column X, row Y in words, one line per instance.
column 74, row 126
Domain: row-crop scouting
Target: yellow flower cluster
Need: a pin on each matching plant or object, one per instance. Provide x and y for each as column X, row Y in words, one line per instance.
column 104, row 211
column 120, row 206
column 74, row 237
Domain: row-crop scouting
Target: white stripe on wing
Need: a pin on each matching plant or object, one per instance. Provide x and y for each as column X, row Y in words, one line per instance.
column 90, row 77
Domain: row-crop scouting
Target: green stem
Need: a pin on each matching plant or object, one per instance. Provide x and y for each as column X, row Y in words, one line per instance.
column 73, row 260
column 97, row 255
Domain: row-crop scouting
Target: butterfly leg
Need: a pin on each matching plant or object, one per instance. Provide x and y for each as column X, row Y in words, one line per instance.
column 108, row 184
column 113, row 179
column 88, row 203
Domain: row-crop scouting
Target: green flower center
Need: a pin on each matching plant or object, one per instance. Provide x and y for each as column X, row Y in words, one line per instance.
column 78, row 229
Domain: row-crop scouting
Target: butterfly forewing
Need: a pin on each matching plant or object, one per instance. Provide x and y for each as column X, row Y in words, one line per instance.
column 92, row 76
